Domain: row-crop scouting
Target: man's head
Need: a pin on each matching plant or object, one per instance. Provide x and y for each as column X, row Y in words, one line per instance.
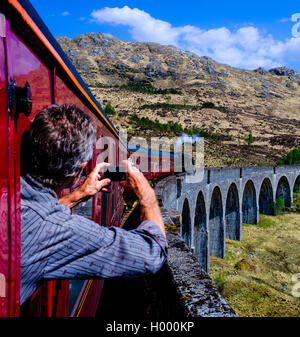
column 61, row 138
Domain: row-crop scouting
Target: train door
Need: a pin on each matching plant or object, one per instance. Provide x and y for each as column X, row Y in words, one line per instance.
column 25, row 89
column 10, row 215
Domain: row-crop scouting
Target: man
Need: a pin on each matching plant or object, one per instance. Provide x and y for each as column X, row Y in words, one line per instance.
column 59, row 245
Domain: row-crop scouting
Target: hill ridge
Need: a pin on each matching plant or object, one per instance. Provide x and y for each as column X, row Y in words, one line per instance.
column 260, row 101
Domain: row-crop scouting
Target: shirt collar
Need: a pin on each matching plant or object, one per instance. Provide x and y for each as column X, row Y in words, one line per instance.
column 38, row 186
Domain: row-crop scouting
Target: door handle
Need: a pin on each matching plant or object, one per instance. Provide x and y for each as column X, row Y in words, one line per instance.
column 20, row 100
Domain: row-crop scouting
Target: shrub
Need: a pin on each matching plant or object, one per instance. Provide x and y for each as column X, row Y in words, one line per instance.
column 293, row 157
column 278, row 206
column 168, row 106
column 163, row 105
column 250, row 139
column 220, row 282
column 208, row 105
column 109, row 109
column 145, row 122
column 148, row 88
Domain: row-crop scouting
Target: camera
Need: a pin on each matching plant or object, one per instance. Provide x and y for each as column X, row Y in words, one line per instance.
column 115, row 173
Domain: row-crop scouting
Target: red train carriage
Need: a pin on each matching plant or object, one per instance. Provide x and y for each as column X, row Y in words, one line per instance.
column 153, row 163
column 34, row 73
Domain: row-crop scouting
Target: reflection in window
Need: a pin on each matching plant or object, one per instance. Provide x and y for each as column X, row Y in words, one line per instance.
column 104, row 209
column 85, row 208
column 76, row 286
column 113, row 199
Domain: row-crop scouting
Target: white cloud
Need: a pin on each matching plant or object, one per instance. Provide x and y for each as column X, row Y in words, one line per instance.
column 66, row 13
column 142, row 26
column 245, row 47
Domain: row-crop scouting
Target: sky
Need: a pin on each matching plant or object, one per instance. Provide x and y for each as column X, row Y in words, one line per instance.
column 243, row 34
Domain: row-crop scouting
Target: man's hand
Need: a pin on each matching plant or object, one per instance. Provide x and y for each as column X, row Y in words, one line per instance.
column 137, row 183
column 92, row 185
column 93, row 182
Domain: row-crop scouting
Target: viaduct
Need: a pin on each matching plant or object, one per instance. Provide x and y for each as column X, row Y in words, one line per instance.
column 215, row 208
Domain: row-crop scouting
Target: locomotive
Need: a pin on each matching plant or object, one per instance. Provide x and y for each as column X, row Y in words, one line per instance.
column 35, row 73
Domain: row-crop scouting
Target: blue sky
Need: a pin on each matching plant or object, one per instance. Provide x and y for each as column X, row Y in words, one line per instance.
column 242, row 34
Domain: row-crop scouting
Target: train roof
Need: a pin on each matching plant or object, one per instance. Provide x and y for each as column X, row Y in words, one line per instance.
column 24, row 14
column 133, row 148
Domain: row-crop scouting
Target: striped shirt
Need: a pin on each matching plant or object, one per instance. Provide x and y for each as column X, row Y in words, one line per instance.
column 56, row 244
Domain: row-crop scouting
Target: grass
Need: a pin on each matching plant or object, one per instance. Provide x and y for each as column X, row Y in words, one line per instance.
column 255, row 277
column 265, row 222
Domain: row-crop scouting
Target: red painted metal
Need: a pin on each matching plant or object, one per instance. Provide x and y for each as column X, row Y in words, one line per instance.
column 50, row 83
column 23, row 65
column 4, row 189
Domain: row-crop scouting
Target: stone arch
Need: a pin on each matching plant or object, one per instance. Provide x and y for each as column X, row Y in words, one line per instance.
column 200, row 231
column 283, row 191
column 249, row 205
column 186, row 223
column 266, row 197
column 296, row 188
column 232, row 213
column 216, row 224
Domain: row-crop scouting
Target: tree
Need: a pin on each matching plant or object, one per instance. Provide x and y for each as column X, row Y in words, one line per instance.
column 250, row 139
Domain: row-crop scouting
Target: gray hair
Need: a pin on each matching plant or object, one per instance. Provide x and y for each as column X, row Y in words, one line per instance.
column 61, row 139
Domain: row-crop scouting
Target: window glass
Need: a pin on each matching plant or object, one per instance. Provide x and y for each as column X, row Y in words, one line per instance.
column 113, row 200
column 85, row 208
column 104, row 207
column 74, row 291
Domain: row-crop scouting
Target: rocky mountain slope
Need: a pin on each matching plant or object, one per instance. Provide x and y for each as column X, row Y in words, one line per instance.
column 262, row 102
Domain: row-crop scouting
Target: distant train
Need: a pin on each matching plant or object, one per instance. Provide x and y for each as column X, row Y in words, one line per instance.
column 35, row 73
column 156, row 164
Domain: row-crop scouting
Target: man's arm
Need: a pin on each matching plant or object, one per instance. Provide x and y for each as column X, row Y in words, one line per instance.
column 90, row 187
column 137, row 183
column 91, row 251
column 87, row 250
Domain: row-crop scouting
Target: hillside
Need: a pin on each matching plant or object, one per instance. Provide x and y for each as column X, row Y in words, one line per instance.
column 262, row 102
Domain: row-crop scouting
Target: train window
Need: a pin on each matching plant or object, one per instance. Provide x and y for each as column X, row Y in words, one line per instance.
column 113, row 199
column 27, row 67
column 84, row 208
column 104, row 207
column 104, row 196
column 76, row 287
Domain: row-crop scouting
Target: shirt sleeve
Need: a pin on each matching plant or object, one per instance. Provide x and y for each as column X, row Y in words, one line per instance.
column 86, row 250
